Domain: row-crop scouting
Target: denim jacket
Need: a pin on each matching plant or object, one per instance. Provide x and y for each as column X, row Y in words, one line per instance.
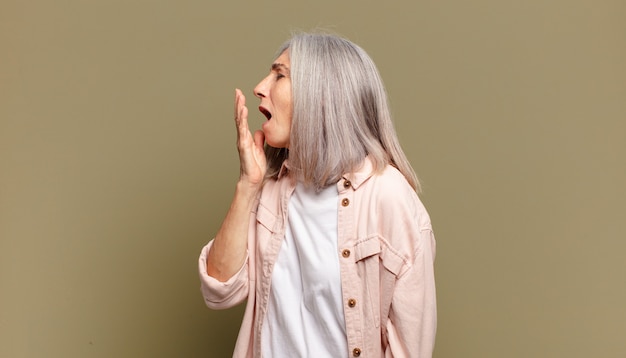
column 386, row 254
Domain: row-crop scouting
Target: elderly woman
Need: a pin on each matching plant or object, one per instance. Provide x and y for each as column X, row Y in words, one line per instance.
column 325, row 237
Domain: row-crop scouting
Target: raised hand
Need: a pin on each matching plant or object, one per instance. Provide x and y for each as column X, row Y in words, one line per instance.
column 229, row 248
column 251, row 155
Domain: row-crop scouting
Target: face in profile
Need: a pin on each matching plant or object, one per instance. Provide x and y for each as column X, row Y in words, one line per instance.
column 274, row 91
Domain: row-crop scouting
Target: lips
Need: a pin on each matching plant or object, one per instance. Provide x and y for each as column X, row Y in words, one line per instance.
column 265, row 112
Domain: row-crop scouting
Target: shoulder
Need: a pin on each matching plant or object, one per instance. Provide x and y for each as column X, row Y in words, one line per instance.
column 391, row 179
column 396, row 200
column 391, row 186
column 274, row 191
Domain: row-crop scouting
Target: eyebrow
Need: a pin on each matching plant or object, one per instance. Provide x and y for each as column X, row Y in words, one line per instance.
column 278, row 66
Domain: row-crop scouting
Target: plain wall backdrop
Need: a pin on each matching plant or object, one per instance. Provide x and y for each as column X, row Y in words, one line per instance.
column 118, row 163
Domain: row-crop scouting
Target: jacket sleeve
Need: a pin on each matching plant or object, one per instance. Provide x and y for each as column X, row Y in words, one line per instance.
column 221, row 295
column 412, row 321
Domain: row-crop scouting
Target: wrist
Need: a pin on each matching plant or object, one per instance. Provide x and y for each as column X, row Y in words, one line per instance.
column 248, row 189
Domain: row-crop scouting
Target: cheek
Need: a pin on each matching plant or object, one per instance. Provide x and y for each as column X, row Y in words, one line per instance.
column 286, row 101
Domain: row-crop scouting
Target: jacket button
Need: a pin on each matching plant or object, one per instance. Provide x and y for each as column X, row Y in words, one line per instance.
column 345, row 253
column 347, row 184
column 356, row 352
column 351, row 302
column 345, row 202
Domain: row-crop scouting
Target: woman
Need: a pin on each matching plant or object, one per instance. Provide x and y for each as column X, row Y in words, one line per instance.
column 325, row 237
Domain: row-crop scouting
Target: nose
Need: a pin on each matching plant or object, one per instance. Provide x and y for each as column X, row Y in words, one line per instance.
column 261, row 89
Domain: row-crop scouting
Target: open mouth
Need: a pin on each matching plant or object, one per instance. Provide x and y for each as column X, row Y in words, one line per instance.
column 265, row 112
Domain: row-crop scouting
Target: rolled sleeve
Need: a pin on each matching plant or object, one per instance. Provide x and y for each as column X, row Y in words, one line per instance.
column 221, row 295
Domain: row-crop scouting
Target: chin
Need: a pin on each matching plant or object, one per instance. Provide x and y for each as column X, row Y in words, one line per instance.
column 275, row 141
column 277, row 146
column 274, row 144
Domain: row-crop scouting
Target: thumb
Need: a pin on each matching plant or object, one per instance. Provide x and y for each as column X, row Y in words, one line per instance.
column 259, row 139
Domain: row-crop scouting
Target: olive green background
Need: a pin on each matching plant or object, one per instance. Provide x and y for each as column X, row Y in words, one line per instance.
column 117, row 164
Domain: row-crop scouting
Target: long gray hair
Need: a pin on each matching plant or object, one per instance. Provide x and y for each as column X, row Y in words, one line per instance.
column 340, row 113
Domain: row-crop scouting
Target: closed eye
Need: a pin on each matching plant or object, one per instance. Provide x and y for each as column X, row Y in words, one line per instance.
column 281, row 70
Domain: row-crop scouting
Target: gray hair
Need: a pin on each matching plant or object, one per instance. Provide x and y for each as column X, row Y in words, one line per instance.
column 340, row 114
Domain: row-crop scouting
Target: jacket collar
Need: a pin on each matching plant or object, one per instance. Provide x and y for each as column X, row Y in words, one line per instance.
column 356, row 178
column 361, row 175
column 284, row 169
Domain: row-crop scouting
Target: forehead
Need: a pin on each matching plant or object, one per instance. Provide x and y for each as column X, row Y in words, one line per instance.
column 283, row 59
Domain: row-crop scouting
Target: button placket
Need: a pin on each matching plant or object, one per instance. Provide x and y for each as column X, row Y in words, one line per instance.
column 349, row 288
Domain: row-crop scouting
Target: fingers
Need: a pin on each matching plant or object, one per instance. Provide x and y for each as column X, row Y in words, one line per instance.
column 240, row 101
column 241, row 113
column 250, row 147
column 238, row 96
column 244, row 136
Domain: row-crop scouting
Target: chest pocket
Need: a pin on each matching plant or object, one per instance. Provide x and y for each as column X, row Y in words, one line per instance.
column 380, row 267
column 266, row 218
column 267, row 239
column 389, row 260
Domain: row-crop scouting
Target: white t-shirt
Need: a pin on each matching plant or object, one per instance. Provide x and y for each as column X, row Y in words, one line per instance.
column 305, row 311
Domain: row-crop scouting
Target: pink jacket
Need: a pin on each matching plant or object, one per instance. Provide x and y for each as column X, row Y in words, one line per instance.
column 386, row 254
